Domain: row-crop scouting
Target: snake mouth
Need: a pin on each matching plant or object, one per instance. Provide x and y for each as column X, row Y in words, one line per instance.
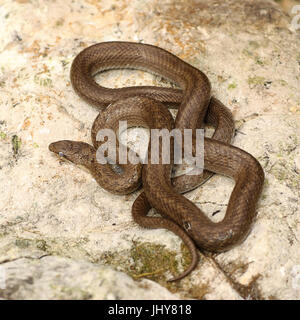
column 52, row 147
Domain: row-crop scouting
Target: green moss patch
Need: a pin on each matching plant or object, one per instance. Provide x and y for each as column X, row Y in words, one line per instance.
column 151, row 261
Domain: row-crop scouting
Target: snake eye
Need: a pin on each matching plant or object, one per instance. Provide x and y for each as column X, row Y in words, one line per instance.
column 187, row 226
column 61, row 154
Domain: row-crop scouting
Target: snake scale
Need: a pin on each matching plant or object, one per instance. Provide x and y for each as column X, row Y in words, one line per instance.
column 146, row 106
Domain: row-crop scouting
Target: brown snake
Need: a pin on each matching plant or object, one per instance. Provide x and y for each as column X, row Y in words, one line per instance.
column 159, row 191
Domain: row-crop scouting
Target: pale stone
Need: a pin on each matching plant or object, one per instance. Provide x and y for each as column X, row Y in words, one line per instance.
column 57, row 225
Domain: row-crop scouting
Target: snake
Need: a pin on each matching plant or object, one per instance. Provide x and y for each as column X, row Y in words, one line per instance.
column 160, row 191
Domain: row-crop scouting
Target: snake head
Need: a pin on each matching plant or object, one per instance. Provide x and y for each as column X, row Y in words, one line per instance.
column 79, row 153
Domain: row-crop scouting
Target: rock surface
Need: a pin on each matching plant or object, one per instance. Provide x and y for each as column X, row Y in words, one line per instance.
column 61, row 235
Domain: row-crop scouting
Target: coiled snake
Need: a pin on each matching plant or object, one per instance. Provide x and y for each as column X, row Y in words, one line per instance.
column 143, row 106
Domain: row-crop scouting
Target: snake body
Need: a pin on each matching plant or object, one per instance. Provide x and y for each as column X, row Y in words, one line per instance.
column 160, row 191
